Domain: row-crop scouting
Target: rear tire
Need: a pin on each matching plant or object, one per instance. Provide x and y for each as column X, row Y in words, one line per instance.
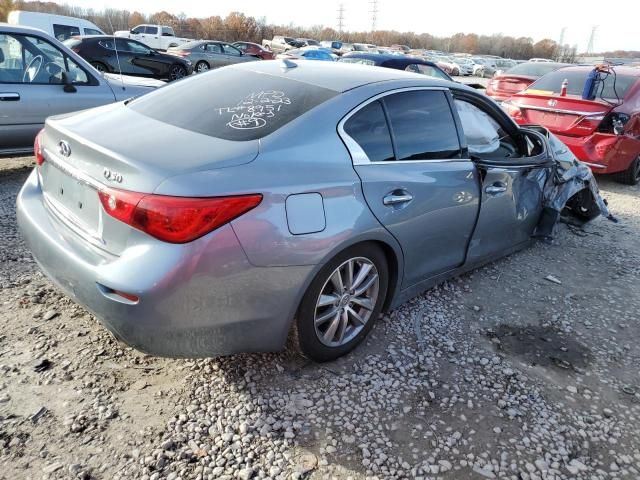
column 202, row 66
column 101, row 67
column 631, row 176
column 176, row 72
column 331, row 320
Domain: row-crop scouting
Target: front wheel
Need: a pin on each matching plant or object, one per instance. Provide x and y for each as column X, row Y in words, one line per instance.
column 176, row 72
column 342, row 303
column 631, row 176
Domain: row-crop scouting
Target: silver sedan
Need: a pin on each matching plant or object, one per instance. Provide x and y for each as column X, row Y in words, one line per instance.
column 206, row 55
column 224, row 212
column 40, row 77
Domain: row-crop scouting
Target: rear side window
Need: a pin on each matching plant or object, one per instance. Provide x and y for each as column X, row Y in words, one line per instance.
column 62, row 32
column 232, row 104
column 368, row 127
column 151, row 30
column 422, row 125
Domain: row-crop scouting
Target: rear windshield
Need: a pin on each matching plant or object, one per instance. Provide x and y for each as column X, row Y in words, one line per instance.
column 231, row 104
column 614, row 86
column 535, row 69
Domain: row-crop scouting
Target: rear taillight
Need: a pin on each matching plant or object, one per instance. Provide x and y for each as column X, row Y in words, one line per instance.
column 514, row 111
column 613, row 123
column 37, row 148
column 175, row 219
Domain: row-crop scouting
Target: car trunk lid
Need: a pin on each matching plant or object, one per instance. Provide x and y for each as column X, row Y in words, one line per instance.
column 566, row 115
column 126, row 151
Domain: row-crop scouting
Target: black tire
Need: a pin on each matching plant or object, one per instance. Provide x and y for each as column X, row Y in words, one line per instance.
column 631, row 176
column 202, row 66
column 304, row 336
column 101, row 67
column 583, row 206
column 176, row 72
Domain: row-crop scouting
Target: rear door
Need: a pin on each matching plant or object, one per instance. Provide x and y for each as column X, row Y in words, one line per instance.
column 406, row 150
column 31, row 88
column 215, row 55
column 512, row 179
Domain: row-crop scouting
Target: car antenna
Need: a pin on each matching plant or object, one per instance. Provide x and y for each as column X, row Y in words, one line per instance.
column 115, row 47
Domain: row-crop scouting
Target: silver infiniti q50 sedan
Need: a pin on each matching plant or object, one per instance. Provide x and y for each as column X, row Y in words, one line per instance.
column 236, row 207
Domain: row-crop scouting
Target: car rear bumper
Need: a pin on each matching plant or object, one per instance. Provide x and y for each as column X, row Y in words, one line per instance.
column 604, row 153
column 195, row 300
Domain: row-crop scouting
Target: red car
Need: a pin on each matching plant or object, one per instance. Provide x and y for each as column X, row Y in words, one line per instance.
column 604, row 131
column 517, row 78
column 254, row 49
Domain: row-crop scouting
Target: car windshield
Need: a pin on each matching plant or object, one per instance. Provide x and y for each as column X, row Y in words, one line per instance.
column 535, row 69
column 232, row 104
column 614, row 86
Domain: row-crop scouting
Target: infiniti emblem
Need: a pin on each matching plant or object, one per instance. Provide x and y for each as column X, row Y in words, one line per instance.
column 552, row 102
column 64, row 148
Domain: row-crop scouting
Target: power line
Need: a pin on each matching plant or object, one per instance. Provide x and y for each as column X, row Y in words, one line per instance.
column 374, row 14
column 340, row 17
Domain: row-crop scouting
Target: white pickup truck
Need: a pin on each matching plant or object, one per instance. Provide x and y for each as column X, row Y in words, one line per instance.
column 158, row 37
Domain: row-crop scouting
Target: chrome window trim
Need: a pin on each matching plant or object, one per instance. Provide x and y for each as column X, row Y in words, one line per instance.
column 358, row 155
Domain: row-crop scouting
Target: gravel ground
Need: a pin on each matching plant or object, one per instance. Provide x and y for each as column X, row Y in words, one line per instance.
column 505, row 372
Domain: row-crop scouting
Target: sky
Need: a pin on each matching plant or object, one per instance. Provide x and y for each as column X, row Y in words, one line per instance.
column 618, row 22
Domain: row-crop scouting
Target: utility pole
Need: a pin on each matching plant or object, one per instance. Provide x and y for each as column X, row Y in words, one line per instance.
column 592, row 38
column 374, row 14
column 340, row 17
column 560, row 48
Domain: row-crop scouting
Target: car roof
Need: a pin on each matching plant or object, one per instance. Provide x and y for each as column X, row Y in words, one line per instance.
column 337, row 76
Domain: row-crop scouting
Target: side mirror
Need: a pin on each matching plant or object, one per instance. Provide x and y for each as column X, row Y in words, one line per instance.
column 131, row 31
column 618, row 127
column 151, row 53
column 69, row 87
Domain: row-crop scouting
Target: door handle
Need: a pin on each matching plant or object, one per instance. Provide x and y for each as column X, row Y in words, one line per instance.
column 496, row 188
column 396, row 198
column 9, row 96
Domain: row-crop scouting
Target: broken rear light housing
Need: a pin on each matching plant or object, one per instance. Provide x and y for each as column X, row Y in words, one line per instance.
column 175, row 219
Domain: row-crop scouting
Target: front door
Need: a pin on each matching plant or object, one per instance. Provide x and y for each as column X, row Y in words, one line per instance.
column 414, row 179
column 512, row 181
column 32, row 72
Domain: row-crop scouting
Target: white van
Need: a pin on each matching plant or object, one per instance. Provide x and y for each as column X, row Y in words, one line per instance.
column 57, row 26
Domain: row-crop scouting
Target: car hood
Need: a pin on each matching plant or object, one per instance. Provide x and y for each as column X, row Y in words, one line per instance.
column 125, row 86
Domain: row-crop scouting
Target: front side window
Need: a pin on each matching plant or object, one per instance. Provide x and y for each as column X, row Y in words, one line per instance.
column 484, row 136
column 139, row 29
column 137, row 48
column 422, row 125
column 92, row 31
column 62, row 32
column 368, row 127
column 241, row 46
column 29, row 59
column 426, row 70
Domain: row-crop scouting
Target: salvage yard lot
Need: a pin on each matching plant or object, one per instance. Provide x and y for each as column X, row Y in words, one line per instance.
column 526, row 368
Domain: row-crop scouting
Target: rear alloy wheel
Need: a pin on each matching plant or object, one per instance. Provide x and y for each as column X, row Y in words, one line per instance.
column 202, row 66
column 101, row 67
column 631, row 176
column 342, row 303
column 177, row 72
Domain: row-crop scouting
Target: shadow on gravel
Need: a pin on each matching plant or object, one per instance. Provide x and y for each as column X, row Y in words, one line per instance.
column 543, row 346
